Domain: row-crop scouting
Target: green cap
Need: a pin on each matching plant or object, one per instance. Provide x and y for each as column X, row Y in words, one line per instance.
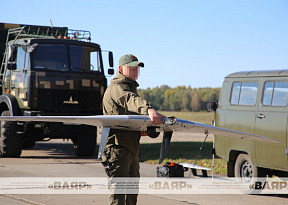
column 130, row 60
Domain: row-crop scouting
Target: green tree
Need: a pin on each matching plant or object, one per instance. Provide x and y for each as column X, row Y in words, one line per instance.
column 195, row 102
column 179, row 98
column 186, row 100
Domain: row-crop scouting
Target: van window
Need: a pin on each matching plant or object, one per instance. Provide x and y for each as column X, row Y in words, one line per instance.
column 244, row 93
column 275, row 93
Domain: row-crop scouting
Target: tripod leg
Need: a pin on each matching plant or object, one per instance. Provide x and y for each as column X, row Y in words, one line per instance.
column 201, row 148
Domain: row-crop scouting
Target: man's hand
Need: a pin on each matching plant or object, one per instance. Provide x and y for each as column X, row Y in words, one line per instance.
column 155, row 116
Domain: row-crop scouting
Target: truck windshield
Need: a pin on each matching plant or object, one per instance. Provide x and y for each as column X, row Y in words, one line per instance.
column 50, row 57
column 55, row 57
column 84, row 58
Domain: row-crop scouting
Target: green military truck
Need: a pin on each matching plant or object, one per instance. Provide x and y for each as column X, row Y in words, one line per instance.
column 254, row 102
column 50, row 71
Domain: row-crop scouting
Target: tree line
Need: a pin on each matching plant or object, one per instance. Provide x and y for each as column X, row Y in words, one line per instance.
column 180, row 98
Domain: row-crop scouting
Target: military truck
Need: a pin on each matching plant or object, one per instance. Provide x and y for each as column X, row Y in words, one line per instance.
column 50, row 71
column 254, row 102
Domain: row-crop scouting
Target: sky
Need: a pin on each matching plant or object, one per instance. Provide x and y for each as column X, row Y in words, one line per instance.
column 182, row 43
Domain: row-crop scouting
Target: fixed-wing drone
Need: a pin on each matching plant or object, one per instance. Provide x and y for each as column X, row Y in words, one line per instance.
column 140, row 123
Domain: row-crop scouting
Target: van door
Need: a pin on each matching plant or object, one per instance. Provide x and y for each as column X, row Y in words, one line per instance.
column 240, row 115
column 271, row 121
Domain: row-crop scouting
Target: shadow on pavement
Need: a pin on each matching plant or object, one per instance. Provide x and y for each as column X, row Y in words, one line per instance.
column 50, row 150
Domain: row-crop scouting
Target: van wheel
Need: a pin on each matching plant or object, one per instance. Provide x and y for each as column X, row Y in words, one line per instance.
column 10, row 141
column 246, row 172
column 244, row 168
column 85, row 143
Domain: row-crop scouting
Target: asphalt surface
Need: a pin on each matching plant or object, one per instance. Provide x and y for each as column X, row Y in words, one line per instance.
column 51, row 160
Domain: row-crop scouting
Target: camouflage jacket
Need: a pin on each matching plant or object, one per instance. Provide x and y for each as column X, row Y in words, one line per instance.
column 121, row 98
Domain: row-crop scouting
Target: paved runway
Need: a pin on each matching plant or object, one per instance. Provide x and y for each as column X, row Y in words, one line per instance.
column 51, row 160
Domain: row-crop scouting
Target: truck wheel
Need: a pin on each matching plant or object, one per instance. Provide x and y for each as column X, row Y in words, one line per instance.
column 10, row 141
column 85, row 144
column 28, row 143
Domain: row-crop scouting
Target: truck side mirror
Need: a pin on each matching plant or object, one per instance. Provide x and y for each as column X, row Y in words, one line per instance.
column 12, row 53
column 111, row 71
column 111, row 62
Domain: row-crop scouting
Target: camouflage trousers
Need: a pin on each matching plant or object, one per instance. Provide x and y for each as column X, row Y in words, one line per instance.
column 121, row 162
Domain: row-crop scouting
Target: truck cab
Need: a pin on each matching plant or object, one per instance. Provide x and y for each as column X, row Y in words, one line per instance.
column 51, row 72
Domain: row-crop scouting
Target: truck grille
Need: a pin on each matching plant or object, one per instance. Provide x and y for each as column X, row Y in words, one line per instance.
column 69, row 101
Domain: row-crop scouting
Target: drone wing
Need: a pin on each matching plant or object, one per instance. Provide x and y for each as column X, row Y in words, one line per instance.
column 139, row 123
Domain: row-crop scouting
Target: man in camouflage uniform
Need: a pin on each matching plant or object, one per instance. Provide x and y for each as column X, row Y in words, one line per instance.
column 121, row 153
